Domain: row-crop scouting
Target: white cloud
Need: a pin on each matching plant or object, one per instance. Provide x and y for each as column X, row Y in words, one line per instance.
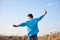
column 53, row 4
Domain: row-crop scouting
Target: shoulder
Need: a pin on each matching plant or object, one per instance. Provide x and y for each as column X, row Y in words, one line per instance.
column 35, row 18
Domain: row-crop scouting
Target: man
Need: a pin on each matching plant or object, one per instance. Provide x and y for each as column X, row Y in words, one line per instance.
column 32, row 26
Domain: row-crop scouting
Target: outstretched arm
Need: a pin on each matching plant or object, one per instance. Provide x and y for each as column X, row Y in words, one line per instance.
column 22, row 24
column 45, row 12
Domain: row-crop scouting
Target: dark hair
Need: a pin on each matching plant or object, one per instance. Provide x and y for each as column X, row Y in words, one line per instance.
column 30, row 15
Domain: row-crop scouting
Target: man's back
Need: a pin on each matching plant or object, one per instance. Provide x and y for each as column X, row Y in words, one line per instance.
column 32, row 26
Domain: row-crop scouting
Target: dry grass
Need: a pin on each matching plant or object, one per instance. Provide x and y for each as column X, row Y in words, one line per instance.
column 52, row 36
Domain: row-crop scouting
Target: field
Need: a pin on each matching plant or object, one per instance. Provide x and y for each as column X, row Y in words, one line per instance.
column 51, row 36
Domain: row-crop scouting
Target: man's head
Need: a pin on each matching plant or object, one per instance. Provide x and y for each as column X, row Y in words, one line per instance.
column 30, row 16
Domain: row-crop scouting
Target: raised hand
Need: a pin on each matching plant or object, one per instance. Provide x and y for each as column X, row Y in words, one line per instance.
column 45, row 12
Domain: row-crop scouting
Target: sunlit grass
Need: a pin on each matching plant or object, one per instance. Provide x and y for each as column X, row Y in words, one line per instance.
column 52, row 36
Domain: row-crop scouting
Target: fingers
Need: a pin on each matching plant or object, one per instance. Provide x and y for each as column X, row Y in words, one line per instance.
column 45, row 11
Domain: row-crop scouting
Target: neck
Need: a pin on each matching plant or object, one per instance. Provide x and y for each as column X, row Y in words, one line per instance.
column 30, row 18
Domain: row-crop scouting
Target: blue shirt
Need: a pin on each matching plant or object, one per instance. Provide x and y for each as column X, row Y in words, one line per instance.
column 32, row 25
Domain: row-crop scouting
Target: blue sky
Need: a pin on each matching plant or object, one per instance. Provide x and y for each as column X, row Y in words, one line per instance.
column 15, row 12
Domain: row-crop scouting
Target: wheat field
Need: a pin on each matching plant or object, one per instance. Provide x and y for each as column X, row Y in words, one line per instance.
column 51, row 36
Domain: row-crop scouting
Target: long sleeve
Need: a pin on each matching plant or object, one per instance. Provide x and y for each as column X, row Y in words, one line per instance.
column 38, row 19
column 45, row 12
column 23, row 24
